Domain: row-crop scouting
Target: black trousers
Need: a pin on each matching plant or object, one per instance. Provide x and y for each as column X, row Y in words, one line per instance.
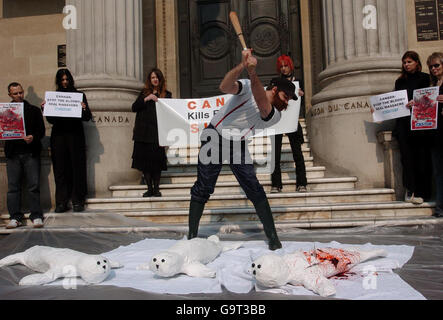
column 68, row 153
column 238, row 161
column 416, row 160
column 296, row 140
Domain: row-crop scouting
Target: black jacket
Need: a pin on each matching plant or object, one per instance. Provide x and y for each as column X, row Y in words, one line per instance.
column 62, row 126
column 35, row 127
column 418, row 80
column 145, row 128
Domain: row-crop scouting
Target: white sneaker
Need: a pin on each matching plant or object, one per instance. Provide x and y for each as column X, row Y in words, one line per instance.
column 13, row 224
column 302, row 189
column 37, row 223
column 275, row 190
column 411, row 198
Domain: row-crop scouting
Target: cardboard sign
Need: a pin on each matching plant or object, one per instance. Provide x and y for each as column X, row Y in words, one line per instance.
column 390, row 106
column 63, row 104
column 12, row 121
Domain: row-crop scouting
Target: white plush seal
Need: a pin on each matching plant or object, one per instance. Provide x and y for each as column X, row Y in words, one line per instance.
column 309, row 269
column 189, row 257
column 54, row 263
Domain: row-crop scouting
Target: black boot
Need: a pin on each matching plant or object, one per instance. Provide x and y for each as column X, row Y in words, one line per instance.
column 264, row 213
column 148, row 181
column 156, row 181
column 195, row 213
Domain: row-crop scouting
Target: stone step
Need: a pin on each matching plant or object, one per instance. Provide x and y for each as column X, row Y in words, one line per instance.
column 239, row 200
column 344, row 212
column 233, row 187
column 226, row 175
column 229, row 220
column 260, row 162
column 257, row 152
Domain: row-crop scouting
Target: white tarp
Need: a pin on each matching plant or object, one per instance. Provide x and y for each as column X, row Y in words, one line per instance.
column 181, row 121
column 372, row 280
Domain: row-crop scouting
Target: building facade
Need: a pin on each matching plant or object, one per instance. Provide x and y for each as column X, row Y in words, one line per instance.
column 344, row 52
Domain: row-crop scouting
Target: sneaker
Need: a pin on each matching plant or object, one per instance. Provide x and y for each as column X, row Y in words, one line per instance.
column 411, row 198
column 13, row 224
column 275, row 190
column 302, row 189
column 60, row 208
column 37, row 223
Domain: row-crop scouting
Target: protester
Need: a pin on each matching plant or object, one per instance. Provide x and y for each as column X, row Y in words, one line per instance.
column 414, row 151
column 23, row 161
column 285, row 68
column 68, row 151
column 435, row 64
column 148, row 156
column 251, row 108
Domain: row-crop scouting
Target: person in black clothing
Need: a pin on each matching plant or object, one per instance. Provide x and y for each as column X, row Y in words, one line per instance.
column 68, row 151
column 414, row 149
column 148, row 156
column 23, row 159
column 285, row 68
column 435, row 64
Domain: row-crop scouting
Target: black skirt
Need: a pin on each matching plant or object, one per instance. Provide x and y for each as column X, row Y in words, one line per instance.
column 149, row 157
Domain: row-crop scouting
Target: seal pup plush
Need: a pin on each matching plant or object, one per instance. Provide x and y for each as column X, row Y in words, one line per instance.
column 189, row 257
column 54, row 263
column 310, row 269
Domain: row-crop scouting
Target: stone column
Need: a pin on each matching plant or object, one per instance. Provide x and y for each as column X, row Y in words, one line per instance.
column 105, row 57
column 360, row 62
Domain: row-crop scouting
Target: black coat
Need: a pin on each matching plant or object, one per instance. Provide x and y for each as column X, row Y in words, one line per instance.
column 145, row 128
column 62, row 126
column 35, row 127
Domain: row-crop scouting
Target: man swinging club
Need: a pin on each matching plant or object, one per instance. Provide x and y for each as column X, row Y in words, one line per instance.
column 225, row 139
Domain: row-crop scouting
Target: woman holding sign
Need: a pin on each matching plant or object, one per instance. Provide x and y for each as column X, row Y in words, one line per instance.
column 68, row 151
column 435, row 64
column 148, row 156
column 415, row 161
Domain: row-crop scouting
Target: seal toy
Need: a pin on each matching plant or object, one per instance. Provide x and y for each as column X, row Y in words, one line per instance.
column 55, row 263
column 309, row 269
column 189, row 257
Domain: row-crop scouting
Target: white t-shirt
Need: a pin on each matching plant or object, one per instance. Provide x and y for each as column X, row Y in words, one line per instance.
column 240, row 117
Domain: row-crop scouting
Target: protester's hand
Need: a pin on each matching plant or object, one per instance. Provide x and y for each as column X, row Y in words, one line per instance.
column 42, row 106
column 249, row 61
column 410, row 104
column 372, row 110
column 83, row 106
column 300, row 93
column 440, row 98
column 28, row 139
column 152, row 97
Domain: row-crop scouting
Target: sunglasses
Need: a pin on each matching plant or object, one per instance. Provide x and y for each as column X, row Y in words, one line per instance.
column 435, row 66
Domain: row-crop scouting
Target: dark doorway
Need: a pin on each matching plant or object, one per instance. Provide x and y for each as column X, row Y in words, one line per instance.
column 209, row 46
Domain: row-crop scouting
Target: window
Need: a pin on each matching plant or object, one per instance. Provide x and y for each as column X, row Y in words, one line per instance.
column 26, row 8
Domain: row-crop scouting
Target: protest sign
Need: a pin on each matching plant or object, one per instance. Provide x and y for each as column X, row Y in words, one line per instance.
column 390, row 106
column 12, row 121
column 63, row 104
column 424, row 112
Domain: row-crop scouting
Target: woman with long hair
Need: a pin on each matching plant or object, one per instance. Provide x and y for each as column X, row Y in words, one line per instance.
column 68, row 151
column 148, row 156
column 435, row 65
column 285, row 68
column 412, row 144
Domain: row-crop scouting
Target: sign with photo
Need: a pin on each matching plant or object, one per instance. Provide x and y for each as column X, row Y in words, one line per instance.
column 12, row 121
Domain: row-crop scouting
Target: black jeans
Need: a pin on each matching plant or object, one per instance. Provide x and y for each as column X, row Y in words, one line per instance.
column 296, row 140
column 239, row 163
column 17, row 167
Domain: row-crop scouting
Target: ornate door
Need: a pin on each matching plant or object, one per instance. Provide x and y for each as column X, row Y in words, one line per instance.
column 209, row 47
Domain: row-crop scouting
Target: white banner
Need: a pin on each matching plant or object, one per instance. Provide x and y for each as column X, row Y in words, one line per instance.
column 12, row 121
column 63, row 104
column 390, row 106
column 181, row 121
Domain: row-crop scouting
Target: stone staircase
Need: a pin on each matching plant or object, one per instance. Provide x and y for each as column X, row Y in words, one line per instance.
column 327, row 199
column 329, row 202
